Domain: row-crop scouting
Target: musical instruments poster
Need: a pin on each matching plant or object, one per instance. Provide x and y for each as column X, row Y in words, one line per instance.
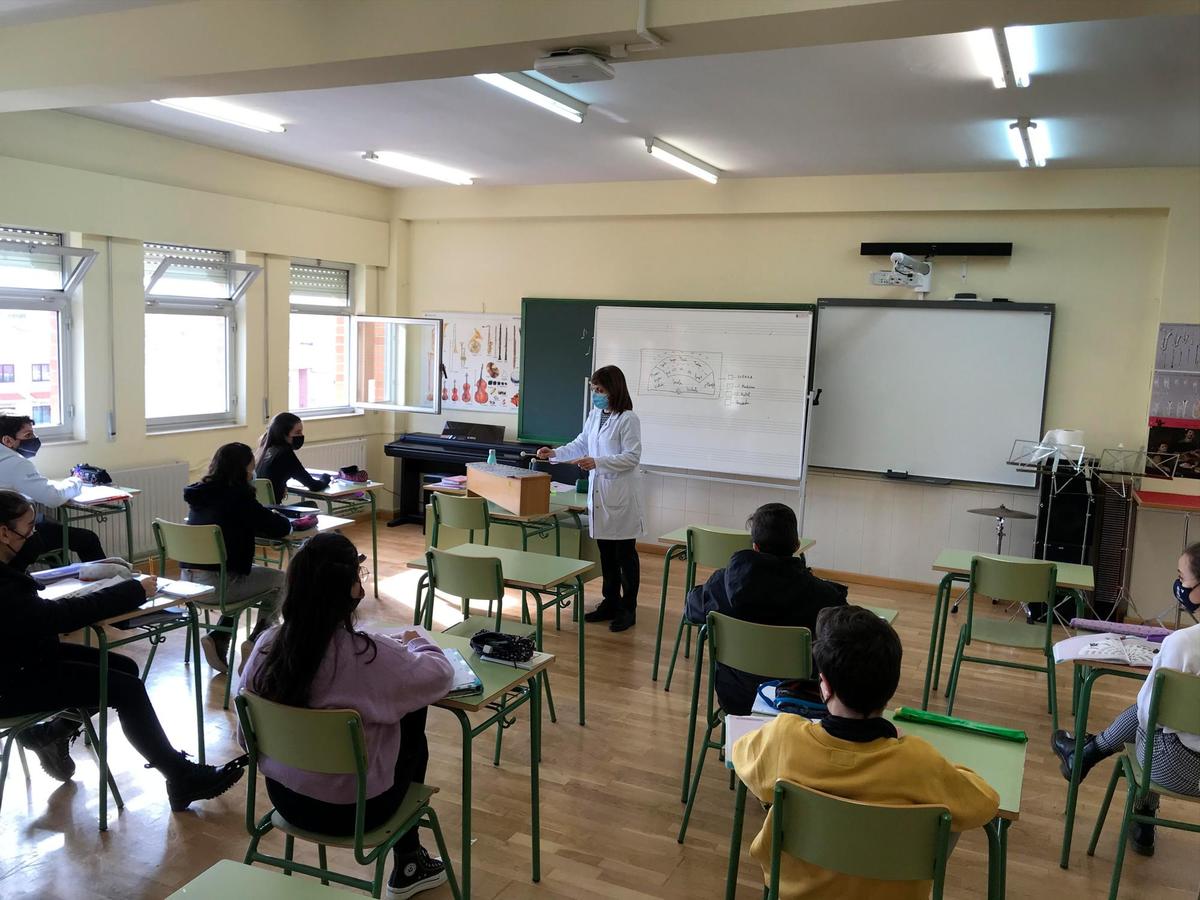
column 480, row 361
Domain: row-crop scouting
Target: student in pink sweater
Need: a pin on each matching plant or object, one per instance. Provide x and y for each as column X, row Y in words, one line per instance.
column 317, row 659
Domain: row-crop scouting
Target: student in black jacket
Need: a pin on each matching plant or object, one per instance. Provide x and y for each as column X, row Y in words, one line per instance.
column 38, row 672
column 768, row 585
column 225, row 497
column 276, row 459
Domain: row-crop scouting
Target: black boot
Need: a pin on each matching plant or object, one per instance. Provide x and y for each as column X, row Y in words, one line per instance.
column 606, row 611
column 1064, row 749
column 52, row 744
column 1141, row 834
column 189, row 782
column 623, row 620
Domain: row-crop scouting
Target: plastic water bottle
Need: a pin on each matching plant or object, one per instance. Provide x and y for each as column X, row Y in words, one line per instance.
column 491, row 457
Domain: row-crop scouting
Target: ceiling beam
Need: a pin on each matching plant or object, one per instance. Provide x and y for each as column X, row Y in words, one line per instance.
column 226, row 47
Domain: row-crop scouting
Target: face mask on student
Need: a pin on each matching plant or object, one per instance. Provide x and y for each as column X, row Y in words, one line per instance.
column 29, row 447
column 600, row 401
column 298, row 442
column 1183, row 595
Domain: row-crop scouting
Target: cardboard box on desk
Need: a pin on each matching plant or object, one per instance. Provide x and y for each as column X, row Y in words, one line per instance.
column 522, row 492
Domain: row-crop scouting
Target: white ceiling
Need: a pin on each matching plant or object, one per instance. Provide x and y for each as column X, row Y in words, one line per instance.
column 23, row 12
column 1113, row 93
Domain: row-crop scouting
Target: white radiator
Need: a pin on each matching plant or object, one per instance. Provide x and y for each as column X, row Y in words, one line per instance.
column 161, row 497
column 333, row 455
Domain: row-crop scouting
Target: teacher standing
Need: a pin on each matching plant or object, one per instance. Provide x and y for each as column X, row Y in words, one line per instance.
column 610, row 447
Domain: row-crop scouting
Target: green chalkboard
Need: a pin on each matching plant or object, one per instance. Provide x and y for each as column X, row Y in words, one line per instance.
column 556, row 360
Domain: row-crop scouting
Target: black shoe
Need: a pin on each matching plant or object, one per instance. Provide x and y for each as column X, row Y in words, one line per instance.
column 622, row 621
column 1141, row 837
column 605, row 612
column 1064, row 749
column 414, row 873
column 197, row 782
column 52, row 744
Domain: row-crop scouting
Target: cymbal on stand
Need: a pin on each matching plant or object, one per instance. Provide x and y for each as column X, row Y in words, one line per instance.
column 1002, row 512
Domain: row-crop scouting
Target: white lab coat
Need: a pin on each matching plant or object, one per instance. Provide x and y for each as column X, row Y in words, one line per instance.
column 614, row 488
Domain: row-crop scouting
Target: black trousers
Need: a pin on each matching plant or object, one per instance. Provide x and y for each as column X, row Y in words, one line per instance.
column 74, row 682
column 48, row 536
column 338, row 818
column 622, row 573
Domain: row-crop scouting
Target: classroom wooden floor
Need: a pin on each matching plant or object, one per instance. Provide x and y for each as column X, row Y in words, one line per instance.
column 610, row 791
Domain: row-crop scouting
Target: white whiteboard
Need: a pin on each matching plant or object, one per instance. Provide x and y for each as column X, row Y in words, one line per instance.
column 719, row 390
column 929, row 388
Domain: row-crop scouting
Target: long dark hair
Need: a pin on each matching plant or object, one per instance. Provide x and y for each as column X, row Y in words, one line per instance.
column 228, row 466
column 316, row 605
column 276, row 434
column 12, row 507
column 612, row 380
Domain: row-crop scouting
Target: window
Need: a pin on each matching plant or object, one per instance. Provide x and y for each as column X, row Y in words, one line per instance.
column 41, row 415
column 319, row 338
column 37, row 275
column 191, row 326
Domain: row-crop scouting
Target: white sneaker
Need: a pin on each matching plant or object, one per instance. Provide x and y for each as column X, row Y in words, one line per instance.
column 212, row 654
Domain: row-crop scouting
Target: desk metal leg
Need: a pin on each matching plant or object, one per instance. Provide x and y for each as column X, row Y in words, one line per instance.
column 691, row 738
column 128, row 508
column 672, row 552
column 937, row 662
column 735, row 840
column 465, row 851
column 997, row 835
column 193, row 636
column 581, row 619
column 535, row 753
column 374, row 542
column 102, row 733
column 1088, row 678
column 938, row 599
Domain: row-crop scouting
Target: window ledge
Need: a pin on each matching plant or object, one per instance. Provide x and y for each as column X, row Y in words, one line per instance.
column 335, row 414
column 188, row 429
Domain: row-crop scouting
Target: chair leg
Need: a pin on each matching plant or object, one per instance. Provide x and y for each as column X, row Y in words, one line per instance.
column 418, row 606
column 687, row 812
column 952, row 686
column 289, row 847
column 1119, row 860
column 683, row 623
column 436, row 828
column 1108, row 795
column 1052, row 683
column 549, row 696
column 322, row 862
column 499, row 733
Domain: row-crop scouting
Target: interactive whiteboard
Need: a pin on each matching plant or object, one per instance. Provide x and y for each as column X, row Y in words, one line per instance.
column 719, row 389
column 937, row 389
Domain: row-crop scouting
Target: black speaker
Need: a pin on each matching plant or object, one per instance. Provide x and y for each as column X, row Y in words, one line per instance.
column 1066, row 524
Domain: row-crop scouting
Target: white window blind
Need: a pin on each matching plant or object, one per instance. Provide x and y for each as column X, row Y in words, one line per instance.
column 196, row 273
column 319, row 286
column 22, row 267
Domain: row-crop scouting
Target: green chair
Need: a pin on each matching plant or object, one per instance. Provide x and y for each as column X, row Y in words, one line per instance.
column 12, row 726
column 469, row 514
column 711, row 549
column 867, row 840
column 1175, row 704
column 204, row 545
column 269, row 552
column 329, row 741
column 780, row 651
column 1023, row 582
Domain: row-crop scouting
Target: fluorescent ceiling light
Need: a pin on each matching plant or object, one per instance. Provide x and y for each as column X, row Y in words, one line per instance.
column 417, row 166
column 680, row 160
column 1030, row 142
column 1005, row 55
column 530, row 89
column 213, row 108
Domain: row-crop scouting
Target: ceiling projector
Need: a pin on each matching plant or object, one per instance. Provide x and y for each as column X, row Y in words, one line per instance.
column 574, row 67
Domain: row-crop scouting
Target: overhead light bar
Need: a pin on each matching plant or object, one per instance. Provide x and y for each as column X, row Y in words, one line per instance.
column 417, row 166
column 222, row 111
column 684, row 161
column 536, row 92
column 1005, row 55
column 1030, row 142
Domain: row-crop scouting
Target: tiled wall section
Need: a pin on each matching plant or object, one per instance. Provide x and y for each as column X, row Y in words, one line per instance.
column 861, row 524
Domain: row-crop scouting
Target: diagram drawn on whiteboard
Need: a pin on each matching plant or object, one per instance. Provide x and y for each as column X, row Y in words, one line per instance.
column 681, row 373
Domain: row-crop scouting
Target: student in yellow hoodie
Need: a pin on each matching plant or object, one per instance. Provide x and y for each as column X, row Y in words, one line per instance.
column 855, row 753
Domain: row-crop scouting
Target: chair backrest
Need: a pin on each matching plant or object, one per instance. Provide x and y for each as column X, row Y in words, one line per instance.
column 1174, row 702
column 329, row 741
column 1022, row 582
column 467, row 513
column 201, row 544
column 868, row 840
column 264, row 491
column 713, row 548
column 563, row 473
column 476, row 578
column 775, row 650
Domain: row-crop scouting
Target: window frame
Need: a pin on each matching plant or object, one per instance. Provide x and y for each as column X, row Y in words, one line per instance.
column 226, row 308
column 346, row 312
column 432, row 321
column 57, row 301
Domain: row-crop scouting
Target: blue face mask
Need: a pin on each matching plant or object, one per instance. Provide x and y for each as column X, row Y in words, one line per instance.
column 29, row 447
column 1182, row 594
column 600, row 401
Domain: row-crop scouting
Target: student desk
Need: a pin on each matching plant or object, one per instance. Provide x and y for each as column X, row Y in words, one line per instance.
column 228, row 880
column 1072, row 577
column 153, row 632
column 499, row 680
column 98, row 501
column 999, row 762
column 537, row 573
column 342, row 497
column 677, row 540
column 572, row 502
column 1085, row 675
